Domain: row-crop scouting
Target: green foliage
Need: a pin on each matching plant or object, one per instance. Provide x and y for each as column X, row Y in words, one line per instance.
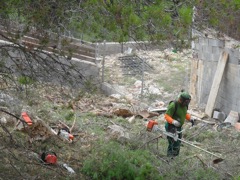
column 25, row 80
column 93, row 155
column 2, row 63
column 123, row 20
column 90, row 87
column 166, row 19
column 207, row 135
column 186, row 15
column 222, row 15
column 204, row 174
column 113, row 161
column 185, row 171
column 132, row 20
column 69, row 116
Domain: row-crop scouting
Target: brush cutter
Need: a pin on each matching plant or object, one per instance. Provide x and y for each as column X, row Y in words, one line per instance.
column 153, row 126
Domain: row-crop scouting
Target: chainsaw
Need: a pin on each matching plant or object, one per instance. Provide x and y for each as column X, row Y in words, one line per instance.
column 152, row 126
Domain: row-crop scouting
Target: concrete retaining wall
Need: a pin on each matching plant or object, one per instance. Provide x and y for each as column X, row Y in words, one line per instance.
column 115, row 48
column 207, row 52
column 69, row 75
column 47, row 67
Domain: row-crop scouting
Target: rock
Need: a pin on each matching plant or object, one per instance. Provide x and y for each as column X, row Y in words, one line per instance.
column 118, row 132
column 3, row 120
column 12, row 103
column 154, row 90
column 115, row 96
column 138, row 84
column 232, row 117
column 131, row 119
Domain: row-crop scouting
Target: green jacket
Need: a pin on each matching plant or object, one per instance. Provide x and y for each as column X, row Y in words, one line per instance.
column 180, row 114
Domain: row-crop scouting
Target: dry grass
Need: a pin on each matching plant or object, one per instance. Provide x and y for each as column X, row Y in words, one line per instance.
column 52, row 103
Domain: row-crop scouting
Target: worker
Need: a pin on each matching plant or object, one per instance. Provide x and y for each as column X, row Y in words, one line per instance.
column 175, row 117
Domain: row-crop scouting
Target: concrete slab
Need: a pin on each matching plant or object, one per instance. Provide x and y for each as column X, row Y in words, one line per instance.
column 233, row 117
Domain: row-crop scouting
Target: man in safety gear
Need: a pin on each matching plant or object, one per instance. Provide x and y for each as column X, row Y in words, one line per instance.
column 175, row 116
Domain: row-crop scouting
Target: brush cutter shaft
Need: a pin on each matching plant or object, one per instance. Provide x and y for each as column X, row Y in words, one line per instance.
column 175, row 137
column 199, row 148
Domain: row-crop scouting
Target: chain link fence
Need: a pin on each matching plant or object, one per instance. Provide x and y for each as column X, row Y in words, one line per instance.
column 148, row 76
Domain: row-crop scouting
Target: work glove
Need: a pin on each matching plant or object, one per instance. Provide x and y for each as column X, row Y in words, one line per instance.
column 192, row 121
column 155, row 128
column 176, row 123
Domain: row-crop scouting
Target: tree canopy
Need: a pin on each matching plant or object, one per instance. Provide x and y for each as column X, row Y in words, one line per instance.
column 113, row 20
column 158, row 21
column 122, row 20
column 223, row 16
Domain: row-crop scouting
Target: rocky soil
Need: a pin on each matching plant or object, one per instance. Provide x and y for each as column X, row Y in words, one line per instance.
column 168, row 75
column 92, row 116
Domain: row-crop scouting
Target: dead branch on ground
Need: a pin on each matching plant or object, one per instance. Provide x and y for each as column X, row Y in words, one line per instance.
column 156, row 138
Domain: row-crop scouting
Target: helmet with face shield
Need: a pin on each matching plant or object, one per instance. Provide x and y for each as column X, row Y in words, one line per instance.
column 184, row 98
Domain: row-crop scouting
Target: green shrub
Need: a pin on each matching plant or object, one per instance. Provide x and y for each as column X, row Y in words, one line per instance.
column 113, row 161
column 204, row 174
column 69, row 116
column 206, row 136
column 24, row 80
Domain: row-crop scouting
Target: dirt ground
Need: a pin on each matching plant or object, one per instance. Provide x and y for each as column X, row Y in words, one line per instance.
column 91, row 115
column 168, row 74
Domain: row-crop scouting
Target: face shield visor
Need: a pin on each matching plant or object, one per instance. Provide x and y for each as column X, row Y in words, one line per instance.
column 184, row 98
column 186, row 102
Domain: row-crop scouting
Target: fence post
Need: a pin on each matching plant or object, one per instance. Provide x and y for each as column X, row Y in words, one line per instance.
column 142, row 78
column 103, row 61
column 96, row 51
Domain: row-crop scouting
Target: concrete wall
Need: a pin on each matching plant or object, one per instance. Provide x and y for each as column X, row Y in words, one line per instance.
column 69, row 75
column 47, row 67
column 115, row 48
column 207, row 53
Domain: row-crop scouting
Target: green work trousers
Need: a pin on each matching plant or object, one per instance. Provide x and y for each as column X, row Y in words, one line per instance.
column 173, row 146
